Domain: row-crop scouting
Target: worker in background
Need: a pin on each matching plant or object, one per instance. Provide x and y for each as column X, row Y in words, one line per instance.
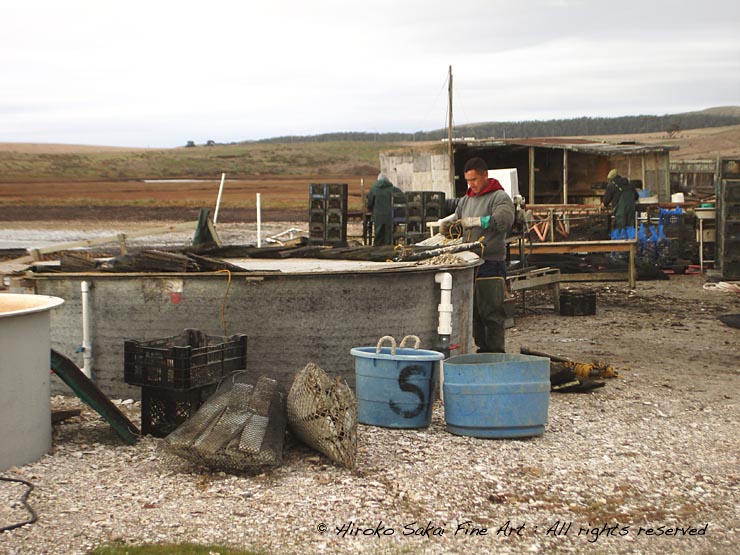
column 486, row 211
column 380, row 202
column 621, row 196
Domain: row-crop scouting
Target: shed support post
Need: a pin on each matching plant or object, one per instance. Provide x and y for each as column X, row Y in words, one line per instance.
column 530, row 200
column 565, row 176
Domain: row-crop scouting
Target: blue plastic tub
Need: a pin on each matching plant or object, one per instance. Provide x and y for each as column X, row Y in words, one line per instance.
column 496, row 395
column 395, row 387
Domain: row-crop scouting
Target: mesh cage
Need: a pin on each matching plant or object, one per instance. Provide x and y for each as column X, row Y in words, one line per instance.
column 240, row 428
column 323, row 413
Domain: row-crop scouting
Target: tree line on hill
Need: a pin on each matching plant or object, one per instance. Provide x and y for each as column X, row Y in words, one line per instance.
column 574, row 127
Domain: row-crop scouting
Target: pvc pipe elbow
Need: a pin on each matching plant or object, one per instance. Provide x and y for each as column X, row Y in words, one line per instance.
column 444, row 279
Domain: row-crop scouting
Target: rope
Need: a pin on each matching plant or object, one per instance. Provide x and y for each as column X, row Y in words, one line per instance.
column 223, row 305
column 24, row 498
column 722, row 286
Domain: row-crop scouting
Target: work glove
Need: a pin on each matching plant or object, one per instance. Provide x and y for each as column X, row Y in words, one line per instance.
column 476, row 221
column 444, row 226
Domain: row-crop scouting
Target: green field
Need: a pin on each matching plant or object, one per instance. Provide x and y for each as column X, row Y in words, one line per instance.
column 251, row 159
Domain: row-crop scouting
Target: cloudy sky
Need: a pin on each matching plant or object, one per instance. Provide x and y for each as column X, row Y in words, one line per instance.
column 159, row 73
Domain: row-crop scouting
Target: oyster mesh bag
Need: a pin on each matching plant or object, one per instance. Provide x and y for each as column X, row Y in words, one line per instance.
column 323, row 414
column 241, row 427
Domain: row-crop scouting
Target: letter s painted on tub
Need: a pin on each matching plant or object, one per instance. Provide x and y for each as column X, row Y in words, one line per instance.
column 404, row 385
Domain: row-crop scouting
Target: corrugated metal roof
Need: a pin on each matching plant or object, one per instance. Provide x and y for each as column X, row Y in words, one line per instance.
column 573, row 144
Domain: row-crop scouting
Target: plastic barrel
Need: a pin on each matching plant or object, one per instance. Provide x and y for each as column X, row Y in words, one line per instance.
column 395, row 387
column 496, row 395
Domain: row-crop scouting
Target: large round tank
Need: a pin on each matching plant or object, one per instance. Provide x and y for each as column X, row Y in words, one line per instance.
column 293, row 312
column 25, row 410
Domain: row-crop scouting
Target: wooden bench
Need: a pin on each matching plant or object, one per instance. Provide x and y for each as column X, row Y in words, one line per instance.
column 539, row 277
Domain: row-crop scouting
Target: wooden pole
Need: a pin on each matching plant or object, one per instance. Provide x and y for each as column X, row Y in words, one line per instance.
column 530, row 200
column 565, row 176
column 449, row 133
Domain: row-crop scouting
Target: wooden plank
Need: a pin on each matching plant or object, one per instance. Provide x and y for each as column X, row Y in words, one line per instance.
column 113, row 238
column 567, row 247
column 594, row 276
column 535, row 281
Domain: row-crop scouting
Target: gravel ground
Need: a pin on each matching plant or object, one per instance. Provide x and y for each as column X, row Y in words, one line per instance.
column 646, row 465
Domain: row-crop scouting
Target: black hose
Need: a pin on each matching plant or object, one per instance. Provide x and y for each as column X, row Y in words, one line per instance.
column 24, row 498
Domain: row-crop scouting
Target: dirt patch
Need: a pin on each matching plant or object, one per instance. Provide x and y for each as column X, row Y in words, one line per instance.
column 282, row 199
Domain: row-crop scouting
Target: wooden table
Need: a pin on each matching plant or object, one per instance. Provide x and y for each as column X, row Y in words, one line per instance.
column 572, row 247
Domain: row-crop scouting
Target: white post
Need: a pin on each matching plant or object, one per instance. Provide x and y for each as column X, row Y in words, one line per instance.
column 259, row 222
column 86, row 335
column 218, row 200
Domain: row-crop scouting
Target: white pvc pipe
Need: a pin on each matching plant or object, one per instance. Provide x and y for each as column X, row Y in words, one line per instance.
column 259, row 221
column 218, row 199
column 445, row 307
column 445, row 319
column 86, row 335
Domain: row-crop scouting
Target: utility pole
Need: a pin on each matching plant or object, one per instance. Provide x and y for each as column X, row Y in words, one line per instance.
column 449, row 133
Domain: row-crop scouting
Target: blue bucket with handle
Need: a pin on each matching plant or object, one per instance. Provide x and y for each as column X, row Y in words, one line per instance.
column 395, row 386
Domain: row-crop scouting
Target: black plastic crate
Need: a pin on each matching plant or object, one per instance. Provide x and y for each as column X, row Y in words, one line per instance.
column 336, row 233
column 731, row 212
column 317, row 217
column 336, row 217
column 435, row 197
column 317, row 190
column 730, row 269
column 729, row 190
column 432, row 212
column 191, row 359
column 317, row 204
column 317, row 232
column 336, row 190
column 577, row 303
column 163, row 410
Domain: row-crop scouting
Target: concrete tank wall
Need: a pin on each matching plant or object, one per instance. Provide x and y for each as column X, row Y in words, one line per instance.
column 290, row 320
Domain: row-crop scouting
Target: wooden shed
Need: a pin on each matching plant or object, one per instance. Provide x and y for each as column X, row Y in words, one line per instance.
column 550, row 170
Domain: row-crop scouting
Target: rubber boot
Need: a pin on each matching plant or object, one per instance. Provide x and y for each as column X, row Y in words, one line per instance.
column 489, row 317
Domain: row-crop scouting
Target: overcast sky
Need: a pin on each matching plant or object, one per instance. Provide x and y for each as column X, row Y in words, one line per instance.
column 159, row 73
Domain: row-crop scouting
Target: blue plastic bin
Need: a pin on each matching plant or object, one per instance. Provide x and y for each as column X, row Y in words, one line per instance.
column 395, row 387
column 496, row 395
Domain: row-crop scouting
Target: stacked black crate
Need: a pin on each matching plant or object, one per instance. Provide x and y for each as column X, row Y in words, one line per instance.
column 336, row 214
column 434, row 206
column 177, row 374
column 398, row 207
column 327, row 213
column 414, row 217
column 412, row 211
column 728, row 219
column 317, row 212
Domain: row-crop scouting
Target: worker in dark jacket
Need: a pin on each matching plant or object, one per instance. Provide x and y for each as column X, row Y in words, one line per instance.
column 621, row 195
column 380, row 202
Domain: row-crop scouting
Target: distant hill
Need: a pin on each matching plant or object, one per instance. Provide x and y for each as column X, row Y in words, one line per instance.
column 671, row 124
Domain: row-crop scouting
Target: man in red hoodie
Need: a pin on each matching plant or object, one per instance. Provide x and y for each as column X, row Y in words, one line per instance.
column 487, row 211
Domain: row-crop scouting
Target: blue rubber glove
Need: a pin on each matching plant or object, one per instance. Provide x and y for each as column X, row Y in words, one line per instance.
column 485, row 222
